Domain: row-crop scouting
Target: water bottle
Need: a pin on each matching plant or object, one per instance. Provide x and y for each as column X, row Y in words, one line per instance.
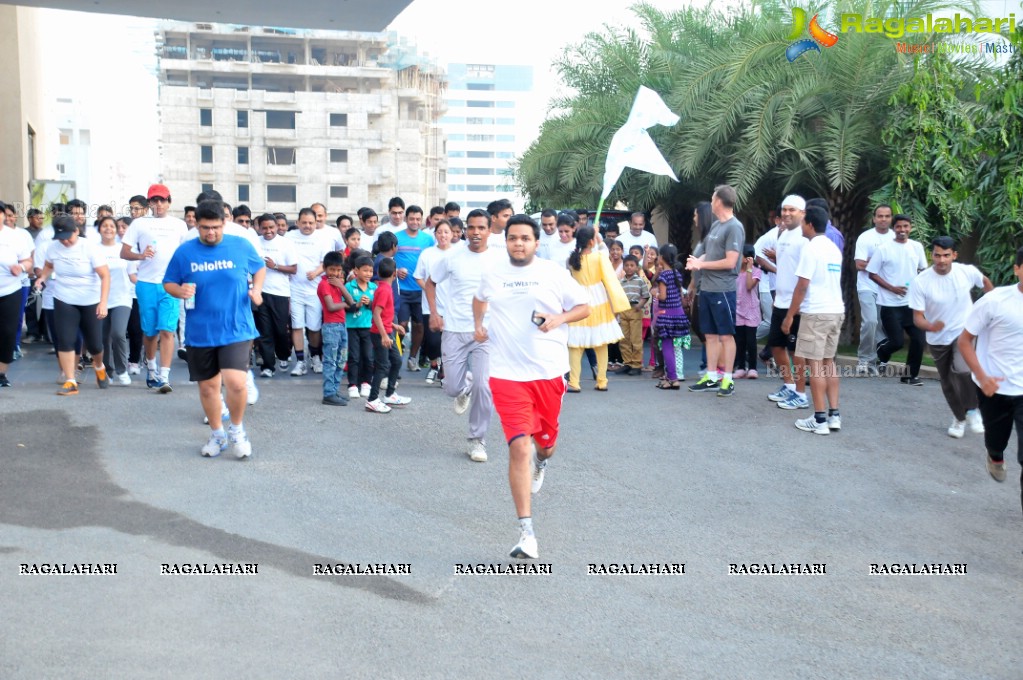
column 190, row 302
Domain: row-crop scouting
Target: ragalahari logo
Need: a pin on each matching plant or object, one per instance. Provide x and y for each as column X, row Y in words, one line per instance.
column 818, row 36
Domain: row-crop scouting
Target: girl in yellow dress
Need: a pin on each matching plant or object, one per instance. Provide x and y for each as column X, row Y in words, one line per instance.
column 593, row 270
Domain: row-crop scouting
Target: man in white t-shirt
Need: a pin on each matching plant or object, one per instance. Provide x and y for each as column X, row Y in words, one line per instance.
column 637, row 235
column 871, row 331
column 369, row 223
column 151, row 241
column 996, row 323
column 817, row 298
column 764, row 251
column 329, row 232
column 274, row 315
column 462, row 270
column 548, row 232
column 940, row 298
column 306, row 309
column 500, row 211
column 530, row 302
column 893, row 266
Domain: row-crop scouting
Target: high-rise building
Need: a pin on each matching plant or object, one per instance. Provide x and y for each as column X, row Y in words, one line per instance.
column 279, row 118
column 492, row 116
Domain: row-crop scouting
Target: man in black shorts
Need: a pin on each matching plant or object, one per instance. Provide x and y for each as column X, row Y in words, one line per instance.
column 791, row 242
column 211, row 273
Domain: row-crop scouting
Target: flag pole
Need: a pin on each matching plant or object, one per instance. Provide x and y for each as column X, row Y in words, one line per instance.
column 596, row 220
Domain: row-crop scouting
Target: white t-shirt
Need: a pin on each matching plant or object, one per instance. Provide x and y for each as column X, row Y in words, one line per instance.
column 821, row 264
column 76, row 281
column 424, row 268
column 120, row 284
column 788, row 250
column 281, row 250
column 165, row 234
column 333, row 236
column 461, row 273
column 767, row 242
column 519, row 350
column 559, row 251
column 497, row 240
column 898, row 264
column 15, row 245
column 945, row 298
column 997, row 321
column 645, row 239
column 543, row 248
column 309, row 252
column 43, row 241
column 366, row 241
column 230, row 229
column 866, row 244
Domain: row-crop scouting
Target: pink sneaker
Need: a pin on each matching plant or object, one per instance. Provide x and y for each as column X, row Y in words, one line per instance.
column 740, row 374
column 752, row 374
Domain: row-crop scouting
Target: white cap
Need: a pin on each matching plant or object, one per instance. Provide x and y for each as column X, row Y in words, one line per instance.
column 794, row 201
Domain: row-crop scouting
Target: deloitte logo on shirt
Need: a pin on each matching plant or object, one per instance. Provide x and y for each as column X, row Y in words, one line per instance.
column 212, row 266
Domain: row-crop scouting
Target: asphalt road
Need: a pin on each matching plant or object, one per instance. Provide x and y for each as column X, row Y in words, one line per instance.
column 641, row 476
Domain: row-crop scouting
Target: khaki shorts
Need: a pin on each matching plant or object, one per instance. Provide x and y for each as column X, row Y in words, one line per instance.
column 818, row 336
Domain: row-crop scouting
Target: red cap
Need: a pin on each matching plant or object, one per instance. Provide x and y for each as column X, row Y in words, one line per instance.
column 158, row 191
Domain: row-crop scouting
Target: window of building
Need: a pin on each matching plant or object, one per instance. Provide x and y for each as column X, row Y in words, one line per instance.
column 84, row 138
column 65, row 137
column 339, row 120
column 456, row 138
column 455, row 103
column 280, row 193
column 480, row 138
column 339, row 155
column 206, row 154
column 479, row 121
column 280, row 120
column 505, row 154
column 506, row 121
column 243, row 119
column 280, row 155
column 479, row 104
column 456, row 171
column 479, row 86
column 506, row 138
column 338, row 191
column 243, row 193
column 480, row 154
column 505, row 105
column 61, row 168
column 452, row 120
column 206, row 188
column 480, row 171
column 243, row 155
column 456, row 187
column 479, row 71
column 479, row 187
column 456, row 154
column 206, row 117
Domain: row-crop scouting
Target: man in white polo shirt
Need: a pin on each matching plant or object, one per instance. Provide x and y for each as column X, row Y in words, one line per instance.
column 273, row 315
column 871, row 331
column 637, row 234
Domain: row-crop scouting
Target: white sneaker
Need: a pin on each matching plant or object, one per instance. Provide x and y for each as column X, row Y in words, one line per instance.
column 431, row 376
column 316, row 364
column 525, row 548
column 835, row 423
column 239, row 442
column 957, row 429
column 462, row 403
column 299, row 369
column 123, row 379
column 412, row 365
column 266, row 373
column 862, row 370
column 811, row 425
column 383, row 384
column 353, row 392
column 364, row 390
column 477, row 451
column 377, row 406
column 215, row 445
column 251, row 391
column 537, row 470
column 134, row 369
column 282, row 365
column 975, row 421
column 397, row 400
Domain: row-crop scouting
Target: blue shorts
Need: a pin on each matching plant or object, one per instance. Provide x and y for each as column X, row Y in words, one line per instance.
column 158, row 311
column 717, row 313
column 410, row 306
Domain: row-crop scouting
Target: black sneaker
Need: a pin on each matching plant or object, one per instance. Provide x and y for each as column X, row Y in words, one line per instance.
column 4, row 382
column 727, row 388
column 335, row 400
column 705, row 385
column 915, row 381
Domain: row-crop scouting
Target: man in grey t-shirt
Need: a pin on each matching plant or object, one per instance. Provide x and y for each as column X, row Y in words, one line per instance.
column 719, row 268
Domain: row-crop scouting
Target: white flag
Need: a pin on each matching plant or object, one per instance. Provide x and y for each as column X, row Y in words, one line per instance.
column 631, row 147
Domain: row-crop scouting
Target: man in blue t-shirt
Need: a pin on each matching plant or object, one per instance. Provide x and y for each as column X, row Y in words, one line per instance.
column 411, row 243
column 212, row 274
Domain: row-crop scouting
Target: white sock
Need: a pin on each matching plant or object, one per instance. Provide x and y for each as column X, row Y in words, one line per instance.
column 165, row 374
column 726, row 376
column 791, row 386
column 151, row 365
column 526, row 525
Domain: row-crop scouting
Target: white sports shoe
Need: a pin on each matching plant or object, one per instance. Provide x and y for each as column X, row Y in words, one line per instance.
column 462, row 402
column 396, row 400
column 975, row 421
column 525, row 548
column 353, row 392
column 383, row 384
column 282, row 364
column 299, row 369
column 477, row 450
column 957, row 429
column 316, row 365
column 251, row 391
column 214, row 446
column 811, row 425
column 239, row 442
column 124, row 379
column 266, row 373
column 364, row 390
column 377, row 406
column 134, row 369
column 431, row 376
column 834, row 423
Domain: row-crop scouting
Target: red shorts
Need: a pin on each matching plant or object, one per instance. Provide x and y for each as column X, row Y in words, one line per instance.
column 529, row 408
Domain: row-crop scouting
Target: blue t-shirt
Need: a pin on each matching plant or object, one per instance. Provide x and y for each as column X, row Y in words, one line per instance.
column 223, row 312
column 409, row 249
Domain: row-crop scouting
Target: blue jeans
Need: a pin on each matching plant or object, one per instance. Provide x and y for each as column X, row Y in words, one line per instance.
column 335, row 354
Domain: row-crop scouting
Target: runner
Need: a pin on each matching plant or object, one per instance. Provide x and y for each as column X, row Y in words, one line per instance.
column 530, row 300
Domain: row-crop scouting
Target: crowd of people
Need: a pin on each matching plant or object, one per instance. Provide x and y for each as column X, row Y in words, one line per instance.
column 359, row 299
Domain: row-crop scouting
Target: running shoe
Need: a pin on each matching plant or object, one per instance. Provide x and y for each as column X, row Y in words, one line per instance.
column 834, row 423
column 431, row 376
column 215, row 446
column 335, row 400
column 152, row 381
column 134, row 369
column 525, row 548
column 727, row 388
column 396, row 400
column 996, row 468
column 705, row 384
column 239, row 442
column 383, row 384
column 477, row 450
column 975, row 421
column 353, row 392
column 299, row 369
column 102, row 379
column 124, row 379
column 913, row 381
column 163, row 387
column 957, row 429
column 377, row 406
column 316, row 365
column 4, row 381
column 794, row 402
column 462, row 402
column 282, row 365
column 364, row 390
column 811, row 425
column 784, row 394
column 412, row 365
column 68, row 389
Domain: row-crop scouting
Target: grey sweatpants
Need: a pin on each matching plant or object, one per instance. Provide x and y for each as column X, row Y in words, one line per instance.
column 115, row 339
column 460, row 352
column 871, row 331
